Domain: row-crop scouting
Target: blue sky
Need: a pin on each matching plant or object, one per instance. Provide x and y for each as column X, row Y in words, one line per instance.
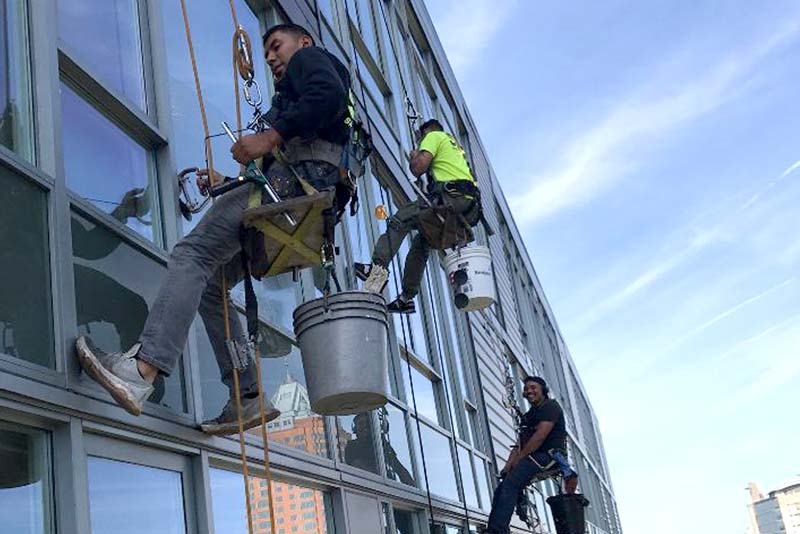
column 651, row 152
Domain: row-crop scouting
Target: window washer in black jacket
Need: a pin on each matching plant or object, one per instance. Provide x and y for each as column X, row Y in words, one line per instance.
column 308, row 121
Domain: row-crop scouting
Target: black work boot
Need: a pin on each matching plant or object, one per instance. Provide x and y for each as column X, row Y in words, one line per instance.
column 400, row 305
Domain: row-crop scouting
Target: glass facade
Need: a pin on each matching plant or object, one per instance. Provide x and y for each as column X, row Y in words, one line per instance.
column 94, row 126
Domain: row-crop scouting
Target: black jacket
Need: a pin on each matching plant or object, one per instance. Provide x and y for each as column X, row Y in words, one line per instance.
column 311, row 98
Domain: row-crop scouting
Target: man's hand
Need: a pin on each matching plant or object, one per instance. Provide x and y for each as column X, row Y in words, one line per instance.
column 255, row 146
column 510, row 464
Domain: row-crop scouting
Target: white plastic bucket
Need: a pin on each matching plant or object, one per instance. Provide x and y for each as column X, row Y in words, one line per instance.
column 469, row 271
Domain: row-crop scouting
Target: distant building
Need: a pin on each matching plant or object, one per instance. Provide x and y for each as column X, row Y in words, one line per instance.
column 778, row 513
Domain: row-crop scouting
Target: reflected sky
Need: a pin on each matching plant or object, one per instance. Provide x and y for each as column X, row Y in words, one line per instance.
column 107, row 167
column 130, row 499
column 105, row 36
column 467, row 478
column 439, row 462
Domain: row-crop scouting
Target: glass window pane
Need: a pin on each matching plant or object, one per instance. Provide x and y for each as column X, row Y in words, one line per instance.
column 394, row 439
column 120, row 492
column 16, row 127
column 278, row 296
column 26, row 316
column 297, row 508
column 367, row 28
column 467, row 478
column 213, row 52
column 25, row 483
column 105, row 36
column 403, row 521
column 283, row 382
column 439, row 461
column 449, row 315
column 483, row 484
column 423, row 393
column 356, row 441
column 115, row 285
column 108, row 168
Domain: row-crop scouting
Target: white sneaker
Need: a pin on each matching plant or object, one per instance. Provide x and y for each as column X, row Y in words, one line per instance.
column 117, row 372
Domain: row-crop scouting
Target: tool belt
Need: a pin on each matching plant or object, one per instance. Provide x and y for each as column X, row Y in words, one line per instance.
column 466, row 188
column 297, row 150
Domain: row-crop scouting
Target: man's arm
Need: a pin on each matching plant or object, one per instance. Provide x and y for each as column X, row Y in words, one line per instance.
column 419, row 162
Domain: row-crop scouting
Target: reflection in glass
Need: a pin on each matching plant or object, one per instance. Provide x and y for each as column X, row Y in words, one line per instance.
column 126, row 498
column 449, row 315
column 283, row 382
column 16, row 112
column 26, row 316
column 483, row 484
column 25, row 484
column 297, row 508
column 356, row 441
column 394, row 441
column 423, row 393
column 213, row 53
column 115, row 285
column 467, row 478
column 278, row 296
column 403, row 521
column 439, row 461
column 105, row 36
column 108, row 168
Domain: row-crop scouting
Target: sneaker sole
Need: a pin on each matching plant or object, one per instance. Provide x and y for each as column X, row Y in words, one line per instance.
column 110, row 382
column 228, row 429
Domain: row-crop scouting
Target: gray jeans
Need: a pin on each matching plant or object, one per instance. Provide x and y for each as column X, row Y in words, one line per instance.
column 399, row 225
column 194, row 280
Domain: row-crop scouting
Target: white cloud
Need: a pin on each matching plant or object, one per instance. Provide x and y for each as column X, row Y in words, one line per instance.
column 466, row 27
column 597, row 159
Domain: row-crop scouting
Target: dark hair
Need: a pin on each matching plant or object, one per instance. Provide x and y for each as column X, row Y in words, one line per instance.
column 539, row 380
column 431, row 123
column 294, row 29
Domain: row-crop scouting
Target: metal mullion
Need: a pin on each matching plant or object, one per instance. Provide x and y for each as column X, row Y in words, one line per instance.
column 150, row 102
column 115, row 107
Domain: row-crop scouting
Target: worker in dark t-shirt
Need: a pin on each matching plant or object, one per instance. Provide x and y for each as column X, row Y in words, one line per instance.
column 541, row 431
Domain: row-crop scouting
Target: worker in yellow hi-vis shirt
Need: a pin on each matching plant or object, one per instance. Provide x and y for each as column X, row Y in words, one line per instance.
column 442, row 158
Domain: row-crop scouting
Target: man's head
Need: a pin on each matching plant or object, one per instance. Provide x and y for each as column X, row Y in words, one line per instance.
column 280, row 44
column 535, row 389
column 431, row 125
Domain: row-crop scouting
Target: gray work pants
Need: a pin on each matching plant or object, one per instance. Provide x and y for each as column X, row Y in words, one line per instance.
column 194, row 278
column 399, row 225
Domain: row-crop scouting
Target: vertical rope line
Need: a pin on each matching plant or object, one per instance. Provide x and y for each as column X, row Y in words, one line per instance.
column 257, row 351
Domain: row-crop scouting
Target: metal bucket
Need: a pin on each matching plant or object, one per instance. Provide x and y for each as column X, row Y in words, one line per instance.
column 345, row 352
column 469, row 270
